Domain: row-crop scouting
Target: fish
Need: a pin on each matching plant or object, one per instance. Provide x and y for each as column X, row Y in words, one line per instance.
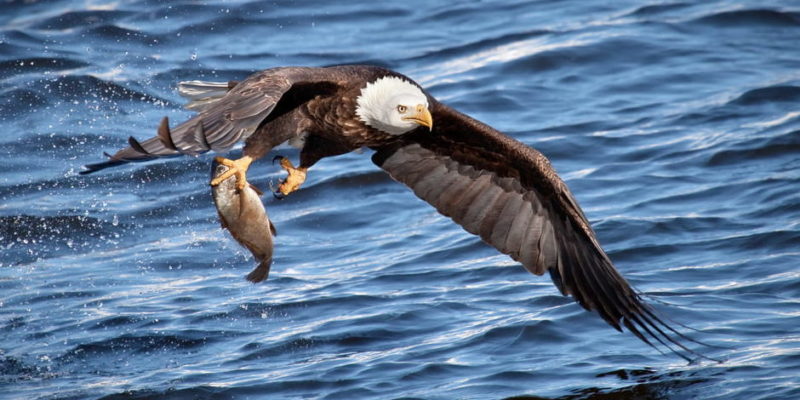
column 243, row 214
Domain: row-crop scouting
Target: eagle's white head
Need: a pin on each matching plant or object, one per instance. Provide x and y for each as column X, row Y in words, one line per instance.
column 393, row 105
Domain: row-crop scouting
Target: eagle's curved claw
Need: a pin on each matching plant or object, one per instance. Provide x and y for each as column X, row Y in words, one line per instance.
column 293, row 181
column 235, row 167
column 275, row 192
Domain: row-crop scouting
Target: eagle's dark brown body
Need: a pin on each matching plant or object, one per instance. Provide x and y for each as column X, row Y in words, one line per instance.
column 329, row 119
column 489, row 183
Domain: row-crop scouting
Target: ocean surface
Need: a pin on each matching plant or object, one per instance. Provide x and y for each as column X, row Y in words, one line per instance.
column 676, row 125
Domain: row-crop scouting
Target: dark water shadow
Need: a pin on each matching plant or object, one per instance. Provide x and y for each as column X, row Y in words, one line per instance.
column 648, row 385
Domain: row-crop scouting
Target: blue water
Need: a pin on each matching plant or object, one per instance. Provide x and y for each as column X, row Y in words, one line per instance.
column 677, row 126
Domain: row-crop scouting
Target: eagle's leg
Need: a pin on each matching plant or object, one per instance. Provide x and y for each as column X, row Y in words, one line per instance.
column 296, row 177
column 235, row 167
column 316, row 147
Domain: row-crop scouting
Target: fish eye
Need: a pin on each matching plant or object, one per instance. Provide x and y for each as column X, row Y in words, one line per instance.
column 401, row 109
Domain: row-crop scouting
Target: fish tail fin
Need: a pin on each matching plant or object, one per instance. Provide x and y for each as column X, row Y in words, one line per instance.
column 261, row 271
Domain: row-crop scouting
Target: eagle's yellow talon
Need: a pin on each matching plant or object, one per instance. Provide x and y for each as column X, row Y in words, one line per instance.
column 295, row 178
column 236, row 167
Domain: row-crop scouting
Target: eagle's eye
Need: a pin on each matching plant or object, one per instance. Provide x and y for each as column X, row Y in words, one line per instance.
column 401, row 109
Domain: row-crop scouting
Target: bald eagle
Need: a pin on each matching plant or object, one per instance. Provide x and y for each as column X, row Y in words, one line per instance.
column 491, row 184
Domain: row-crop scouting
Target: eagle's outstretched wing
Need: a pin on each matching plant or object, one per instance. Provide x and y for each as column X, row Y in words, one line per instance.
column 227, row 114
column 509, row 195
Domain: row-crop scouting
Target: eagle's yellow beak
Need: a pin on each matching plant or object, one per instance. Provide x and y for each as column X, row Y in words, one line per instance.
column 422, row 116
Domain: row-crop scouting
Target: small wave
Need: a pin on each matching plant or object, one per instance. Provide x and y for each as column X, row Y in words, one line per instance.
column 478, row 45
column 647, row 386
column 658, row 9
column 29, row 227
column 350, row 340
column 17, row 41
column 114, row 322
column 782, row 93
column 760, row 149
column 466, row 12
column 764, row 242
column 778, row 211
column 317, row 306
column 79, row 87
column 412, row 278
column 16, row 102
column 66, row 295
column 39, row 65
column 192, row 11
column 124, row 36
column 667, row 225
column 513, row 376
column 13, row 370
column 222, row 25
column 435, row 371
column 81, row 19
column 604, row 56
column 341, row 389
column 509, row 338
column 133, row 344
column 165, row 170
column 748, row 18
column 55, row 145
column 26, row 238
column 42, row 92
column 354, row 180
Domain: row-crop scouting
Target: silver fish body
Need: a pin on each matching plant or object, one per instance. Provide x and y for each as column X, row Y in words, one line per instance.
column 243, row 214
